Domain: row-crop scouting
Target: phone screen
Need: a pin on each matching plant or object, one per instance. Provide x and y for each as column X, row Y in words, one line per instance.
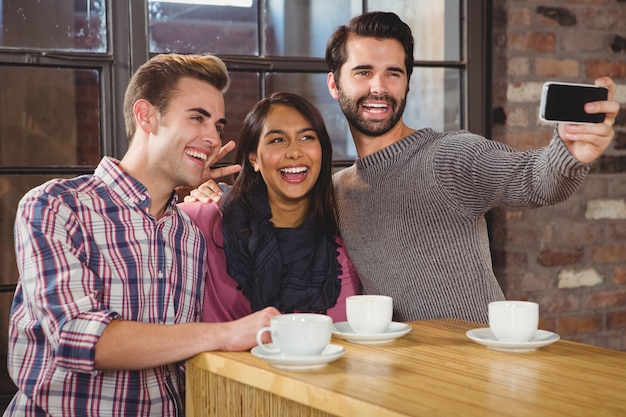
column 565, row 102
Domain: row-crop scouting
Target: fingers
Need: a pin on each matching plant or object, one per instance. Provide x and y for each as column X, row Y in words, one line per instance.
column 202, row 196
column 224, row 171
column 610, row 107
column 208, row 191
column 598, row 134
column 606, row 82
column 223, row 151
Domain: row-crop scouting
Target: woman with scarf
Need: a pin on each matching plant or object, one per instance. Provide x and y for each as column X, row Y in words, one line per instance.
column 273, row 239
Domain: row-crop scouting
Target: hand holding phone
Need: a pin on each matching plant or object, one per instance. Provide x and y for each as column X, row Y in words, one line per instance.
column 565, row 102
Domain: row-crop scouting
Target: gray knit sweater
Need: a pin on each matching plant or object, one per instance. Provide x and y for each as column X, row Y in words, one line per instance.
column 412, row 216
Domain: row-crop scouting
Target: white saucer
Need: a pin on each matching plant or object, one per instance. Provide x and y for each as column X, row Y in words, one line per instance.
column 342, row 330
column 278, row 360
column 484, row 337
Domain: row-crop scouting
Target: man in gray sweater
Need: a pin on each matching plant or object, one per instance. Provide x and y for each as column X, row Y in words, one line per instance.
column 411, row 209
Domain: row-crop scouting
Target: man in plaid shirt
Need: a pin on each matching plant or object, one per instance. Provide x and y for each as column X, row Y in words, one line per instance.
column 112, row 273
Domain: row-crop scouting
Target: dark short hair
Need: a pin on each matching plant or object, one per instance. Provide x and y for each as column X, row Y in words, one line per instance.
column 323, row 207
column 380, row 25
column 156, row 81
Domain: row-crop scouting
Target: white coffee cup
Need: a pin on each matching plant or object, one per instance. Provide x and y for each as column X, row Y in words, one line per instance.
column 513, row 321
column 297, row 334
column 369, row 313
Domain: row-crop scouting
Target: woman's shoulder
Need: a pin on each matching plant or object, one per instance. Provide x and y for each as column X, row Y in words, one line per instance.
column 201, row 213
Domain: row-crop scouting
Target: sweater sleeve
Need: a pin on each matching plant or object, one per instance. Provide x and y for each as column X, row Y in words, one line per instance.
column 479, row 174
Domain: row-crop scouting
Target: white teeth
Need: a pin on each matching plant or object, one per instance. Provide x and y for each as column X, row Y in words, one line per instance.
column 382, row 106
column 196, row 154
column 294, row 170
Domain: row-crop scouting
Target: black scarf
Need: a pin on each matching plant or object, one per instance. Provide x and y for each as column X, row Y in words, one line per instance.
column 290, row 269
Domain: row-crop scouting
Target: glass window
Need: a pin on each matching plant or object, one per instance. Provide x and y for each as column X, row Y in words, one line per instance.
column 436, row 26
column 434, row 100
column 49, row 117
column 244, row 91
column 210, row 26
column 302, row 27
column 66, row 25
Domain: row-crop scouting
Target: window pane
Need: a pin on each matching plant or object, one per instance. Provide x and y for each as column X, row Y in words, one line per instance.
column 187, row 27
column 301, row 28
column 66, row 25
column 49, row 117
column 242, row 94
column 435, row 25
column 434, row 99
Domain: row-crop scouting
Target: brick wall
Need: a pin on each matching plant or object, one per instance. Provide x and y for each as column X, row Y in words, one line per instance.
column 571, row 258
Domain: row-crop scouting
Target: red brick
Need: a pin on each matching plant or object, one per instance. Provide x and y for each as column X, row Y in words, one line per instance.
column 604, row 299
column 559, row 256
column 617, row 230
column 579, row 232
column 534, row 41
column 515, row 259
column 609, row 253
column 603, row 19
column 599, row 68
column 619, row 275
column 616, row 320
column 519, row 17
column 564, row 68
column 523, row 234
column 520, row 283
column 578, row 42
column 572, row 325
column 560, row 303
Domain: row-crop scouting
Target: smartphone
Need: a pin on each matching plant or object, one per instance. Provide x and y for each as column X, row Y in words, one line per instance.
column 565, row 102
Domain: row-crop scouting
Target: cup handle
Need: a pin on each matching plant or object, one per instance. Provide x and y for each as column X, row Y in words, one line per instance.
column 259, row 341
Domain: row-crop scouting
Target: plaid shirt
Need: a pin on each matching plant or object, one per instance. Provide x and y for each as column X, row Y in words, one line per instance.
column 88, row 252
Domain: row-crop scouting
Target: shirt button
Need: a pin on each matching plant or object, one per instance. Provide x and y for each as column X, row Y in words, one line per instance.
column 160, row 275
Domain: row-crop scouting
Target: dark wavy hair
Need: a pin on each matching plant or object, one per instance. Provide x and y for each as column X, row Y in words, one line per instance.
column 323, row 207
column 380, row 25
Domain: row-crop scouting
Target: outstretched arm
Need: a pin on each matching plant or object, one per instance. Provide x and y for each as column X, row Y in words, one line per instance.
column 128, row 345
column 586, row 142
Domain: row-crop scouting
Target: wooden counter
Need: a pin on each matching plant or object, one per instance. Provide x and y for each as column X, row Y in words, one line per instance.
column 435, row 370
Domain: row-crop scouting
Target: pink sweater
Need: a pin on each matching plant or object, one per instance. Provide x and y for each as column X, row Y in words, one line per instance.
column 222, row 300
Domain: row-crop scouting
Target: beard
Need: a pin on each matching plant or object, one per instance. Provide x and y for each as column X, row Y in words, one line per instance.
column 351, row 109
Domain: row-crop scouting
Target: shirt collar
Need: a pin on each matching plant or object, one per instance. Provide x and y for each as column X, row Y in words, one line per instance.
column 134, row 193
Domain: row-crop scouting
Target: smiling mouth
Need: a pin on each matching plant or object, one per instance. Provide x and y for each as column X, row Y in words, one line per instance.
column 375, row 108
column 198, row 155
column 295, row 174
column 298, row 170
